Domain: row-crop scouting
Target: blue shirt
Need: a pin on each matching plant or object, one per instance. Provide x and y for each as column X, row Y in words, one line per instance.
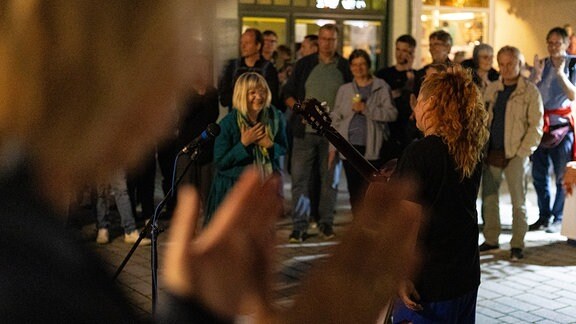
column 357, row 127
column 553, row 96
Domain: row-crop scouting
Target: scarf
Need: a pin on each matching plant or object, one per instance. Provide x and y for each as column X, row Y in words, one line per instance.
column 262, row 158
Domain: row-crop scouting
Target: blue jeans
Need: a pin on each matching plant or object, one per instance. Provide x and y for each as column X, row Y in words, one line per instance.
column 119, row 189
column 305, row 151
column 453, row 311
column 559, row 155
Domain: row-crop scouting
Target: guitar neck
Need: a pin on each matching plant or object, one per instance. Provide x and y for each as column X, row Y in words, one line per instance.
column 365, row 168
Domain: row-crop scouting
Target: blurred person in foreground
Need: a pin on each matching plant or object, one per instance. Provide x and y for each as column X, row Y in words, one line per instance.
column 95, row 101
column 447, row 165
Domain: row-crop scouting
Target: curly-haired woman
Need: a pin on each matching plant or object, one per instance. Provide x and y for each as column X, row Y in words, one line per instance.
column 446, row 163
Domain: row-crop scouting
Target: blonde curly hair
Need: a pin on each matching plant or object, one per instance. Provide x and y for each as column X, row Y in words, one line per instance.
column 459, row 112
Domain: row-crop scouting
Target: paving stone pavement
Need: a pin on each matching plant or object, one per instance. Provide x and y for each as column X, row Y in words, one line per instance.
column 541, row 288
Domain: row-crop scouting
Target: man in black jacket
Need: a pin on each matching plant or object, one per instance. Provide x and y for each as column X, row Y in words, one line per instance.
column 251, row 60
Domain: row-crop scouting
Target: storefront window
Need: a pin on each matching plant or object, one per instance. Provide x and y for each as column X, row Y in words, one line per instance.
column 323, row 4
column 267, row 23
column 378, row 4
column 303, row 27
column 458, row 3
column 468, row 27
column 362, row 34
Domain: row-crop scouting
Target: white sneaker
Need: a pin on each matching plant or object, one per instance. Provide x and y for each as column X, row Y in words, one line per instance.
column 132, row 237
column 103, row 236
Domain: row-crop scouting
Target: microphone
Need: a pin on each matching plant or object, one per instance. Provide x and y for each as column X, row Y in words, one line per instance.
column 211, row 131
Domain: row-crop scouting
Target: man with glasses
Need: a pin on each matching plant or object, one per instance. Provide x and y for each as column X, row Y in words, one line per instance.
column 270, row 45
column 555, row 78
column 317, row 76
column 440, row 43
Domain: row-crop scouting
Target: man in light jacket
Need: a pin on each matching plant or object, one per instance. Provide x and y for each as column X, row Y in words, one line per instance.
column 515, row 119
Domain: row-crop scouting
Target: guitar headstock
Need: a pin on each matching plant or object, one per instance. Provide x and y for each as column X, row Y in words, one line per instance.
column 315, row 114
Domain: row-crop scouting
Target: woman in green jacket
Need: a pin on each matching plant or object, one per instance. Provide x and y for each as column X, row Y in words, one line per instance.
column 253, row 133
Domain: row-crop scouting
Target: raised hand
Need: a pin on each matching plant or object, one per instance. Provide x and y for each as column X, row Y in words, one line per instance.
column 538, row 68
column 558, row 62
column 228, row 266
column 353, row 287
column 409, row 296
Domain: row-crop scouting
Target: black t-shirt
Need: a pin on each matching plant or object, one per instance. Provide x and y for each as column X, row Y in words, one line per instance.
column 449, row 237
column 498, row 121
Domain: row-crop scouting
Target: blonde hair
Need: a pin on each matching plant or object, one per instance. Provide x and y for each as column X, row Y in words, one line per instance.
column 459, row 114
column 88, row 86
column 246, row 82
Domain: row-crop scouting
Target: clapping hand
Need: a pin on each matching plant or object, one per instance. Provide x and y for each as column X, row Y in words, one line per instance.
column 353, row 287
column 558, row 62
column 538, row 68
column 227, row 267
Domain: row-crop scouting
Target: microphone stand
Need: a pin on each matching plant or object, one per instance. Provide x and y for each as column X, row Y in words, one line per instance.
column 154, row 230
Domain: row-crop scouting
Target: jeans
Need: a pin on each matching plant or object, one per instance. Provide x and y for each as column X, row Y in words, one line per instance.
column 119, row 190
column 559, row 155
column 305, row 152
column 515, row 173
column 452, row 311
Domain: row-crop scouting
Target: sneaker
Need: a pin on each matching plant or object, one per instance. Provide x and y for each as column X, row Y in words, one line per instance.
column 554, row 227
column 516, row 254
column 297, row 237
column 103, row 236
column 326, row 231
column 538, row 226
column 487, row 247
column 133, row 236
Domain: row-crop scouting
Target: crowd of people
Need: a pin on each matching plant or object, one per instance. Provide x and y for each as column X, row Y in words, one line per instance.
column 451, row 128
